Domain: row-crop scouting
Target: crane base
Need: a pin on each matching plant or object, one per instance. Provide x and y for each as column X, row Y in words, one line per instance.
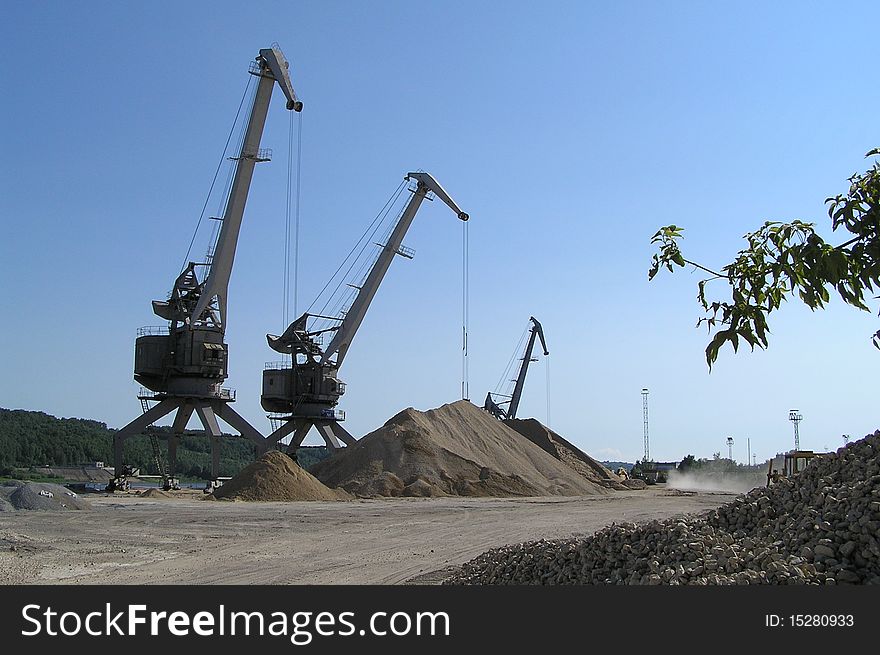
column 208, row 411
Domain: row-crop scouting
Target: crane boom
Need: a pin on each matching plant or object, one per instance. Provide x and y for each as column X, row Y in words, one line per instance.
column 272, row 68
column 536, row 331
column 495, row 408
column 425, row 184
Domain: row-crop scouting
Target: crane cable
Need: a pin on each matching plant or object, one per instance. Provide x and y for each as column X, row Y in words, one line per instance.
column 505, row 383
column 292, row 211
column 357, row 250
column 465, row 310
column 547, row 370
column 216, row 173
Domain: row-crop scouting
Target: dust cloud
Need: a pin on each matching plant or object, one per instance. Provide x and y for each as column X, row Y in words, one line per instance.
column 723, row 482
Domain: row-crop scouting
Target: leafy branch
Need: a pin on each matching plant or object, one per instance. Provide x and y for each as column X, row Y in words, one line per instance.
column 782, row 259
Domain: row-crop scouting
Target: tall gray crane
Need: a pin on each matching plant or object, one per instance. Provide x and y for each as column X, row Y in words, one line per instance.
column 307, row 390
column 184, row 364
column 494, row 407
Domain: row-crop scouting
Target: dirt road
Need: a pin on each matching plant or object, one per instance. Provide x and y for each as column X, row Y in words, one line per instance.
column 133, row 540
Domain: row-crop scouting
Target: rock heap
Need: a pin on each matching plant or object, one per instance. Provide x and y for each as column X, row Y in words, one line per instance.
column 17, row 495
column 821, row 527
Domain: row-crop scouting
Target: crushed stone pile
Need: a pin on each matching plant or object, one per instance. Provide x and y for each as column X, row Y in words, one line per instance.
column 566, row 452
column 821, row 527
column 276, row 477
column 17, row 495
column 455, row 450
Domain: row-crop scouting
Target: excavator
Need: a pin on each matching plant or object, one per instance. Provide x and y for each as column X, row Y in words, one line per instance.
column 492, row 403
column 305, row 390
column 182, row 366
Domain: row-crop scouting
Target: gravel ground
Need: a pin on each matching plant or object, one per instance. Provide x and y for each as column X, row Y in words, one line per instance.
column 128, row 539
column 820, row 527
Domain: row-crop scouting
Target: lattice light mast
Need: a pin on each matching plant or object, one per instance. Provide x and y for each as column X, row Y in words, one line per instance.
column 730, row 448
column 645, row 423
column 796, row 417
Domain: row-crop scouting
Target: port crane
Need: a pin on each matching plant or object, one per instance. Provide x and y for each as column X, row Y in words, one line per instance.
column 182, row 366
column 305, row 390
column 494, row 406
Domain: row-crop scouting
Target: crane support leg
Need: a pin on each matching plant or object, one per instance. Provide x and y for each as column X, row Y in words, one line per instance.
column 246, row 430
column 329, row 437
column 302, row 429
column 342, row 434
column 333, row 433
column 215, row 459
column 180, row 421
column 278, row 435
column 212, row 428
column 137, row 427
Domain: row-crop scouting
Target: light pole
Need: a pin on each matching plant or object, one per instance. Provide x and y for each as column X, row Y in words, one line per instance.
column 645, row 422
column 730, row 448
column 796, row 417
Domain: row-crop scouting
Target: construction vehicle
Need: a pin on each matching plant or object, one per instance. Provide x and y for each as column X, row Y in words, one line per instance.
column 183, row 365
column 304, row 390
column 493, row 404
column 793, row 463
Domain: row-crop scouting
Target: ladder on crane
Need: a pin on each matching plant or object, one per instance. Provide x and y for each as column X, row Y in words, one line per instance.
column 158, row 458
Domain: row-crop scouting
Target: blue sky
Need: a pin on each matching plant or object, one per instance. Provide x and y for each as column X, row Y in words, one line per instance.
column 570, row 131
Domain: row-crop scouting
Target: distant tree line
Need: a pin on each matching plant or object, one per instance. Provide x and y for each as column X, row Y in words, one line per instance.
column 35, row 439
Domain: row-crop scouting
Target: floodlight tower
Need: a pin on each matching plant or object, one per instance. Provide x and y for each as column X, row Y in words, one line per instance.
column 845, row 439
column 730, row 448
column 796, row 417
column 645, row 422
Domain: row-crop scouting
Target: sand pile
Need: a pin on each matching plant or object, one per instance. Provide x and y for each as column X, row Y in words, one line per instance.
column 566, row 452
column 275, row 476
column 455, row 450
column 16, row 495
column 821, row 527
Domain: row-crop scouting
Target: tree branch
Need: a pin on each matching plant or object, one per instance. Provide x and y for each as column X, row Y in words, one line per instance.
column 703, row 268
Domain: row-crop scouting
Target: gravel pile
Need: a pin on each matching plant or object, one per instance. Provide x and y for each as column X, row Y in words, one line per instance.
column 821, row 527
column 17, row 495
